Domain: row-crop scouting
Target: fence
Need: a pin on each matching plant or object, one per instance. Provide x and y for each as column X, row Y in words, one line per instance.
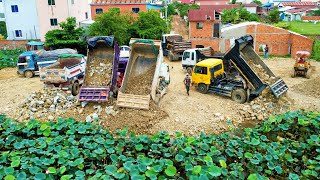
column 13, row 44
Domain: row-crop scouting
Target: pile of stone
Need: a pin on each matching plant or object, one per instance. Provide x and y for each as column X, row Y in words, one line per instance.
column 99, row 72
column 265, row 106
column 98, row 112
column 45, row 104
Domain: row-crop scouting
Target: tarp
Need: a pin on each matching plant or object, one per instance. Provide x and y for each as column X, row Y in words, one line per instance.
column 70, row 55
column 34, row 43
column 267, row 5
column 57, row 52
column 93, row 41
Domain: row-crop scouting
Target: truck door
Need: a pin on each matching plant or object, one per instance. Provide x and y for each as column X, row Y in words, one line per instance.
column 34, row 59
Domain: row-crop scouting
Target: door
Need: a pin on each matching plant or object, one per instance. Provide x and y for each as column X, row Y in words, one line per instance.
column 186, row 59
column 36, row 67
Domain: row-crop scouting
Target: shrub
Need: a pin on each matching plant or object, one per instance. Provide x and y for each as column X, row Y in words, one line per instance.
column 316, row 50
column 9, row 58
column 284, row 146
column 284, row 25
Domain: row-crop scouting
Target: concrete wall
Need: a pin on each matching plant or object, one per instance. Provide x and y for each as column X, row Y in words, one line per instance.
column 25, row 19
column 13, row 44
column 123, row 8
column 252, row 9
column 2, row 11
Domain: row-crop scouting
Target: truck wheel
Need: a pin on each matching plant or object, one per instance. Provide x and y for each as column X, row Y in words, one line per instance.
column 239, row 95
column 202, row 88
column 28, row 74
column 308, row 74
column 294, row 73
column 189, row 70
column 75, row 89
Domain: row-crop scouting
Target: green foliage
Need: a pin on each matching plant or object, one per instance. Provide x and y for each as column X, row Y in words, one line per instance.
column 304, row 27
column 67, row 37
column 259, row 3
column 183, row 8
column 283, row 147
column 148, row 25
column 9, row 58
column 284, row 25
column 316, row 50
column 112, row 23
column 171, row 10
column 316, row 12
column 274, row 16
column 237, row 15
column 3, row 29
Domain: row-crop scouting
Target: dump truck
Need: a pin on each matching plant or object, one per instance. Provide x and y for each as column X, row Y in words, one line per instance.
column 142, row 78
column 192, row 56
column 100, row 80
column 240, row 74
column 67, row 73
column 174, row 46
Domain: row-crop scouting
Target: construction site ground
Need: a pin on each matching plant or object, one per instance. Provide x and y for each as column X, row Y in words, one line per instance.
column 177, row 111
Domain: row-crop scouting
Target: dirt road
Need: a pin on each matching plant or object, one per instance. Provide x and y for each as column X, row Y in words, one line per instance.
column 15, row 89
column 179, row 27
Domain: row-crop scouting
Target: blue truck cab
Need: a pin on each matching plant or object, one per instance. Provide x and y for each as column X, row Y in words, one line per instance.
column 29, row 63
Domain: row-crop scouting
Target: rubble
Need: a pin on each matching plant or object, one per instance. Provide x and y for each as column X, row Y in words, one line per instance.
column 45, row 103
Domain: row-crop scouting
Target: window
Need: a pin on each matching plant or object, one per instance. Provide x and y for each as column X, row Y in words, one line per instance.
column 135, row 10
column 51, row 2
column 216, row 30
column 200, row 70
column 217, row 67
column 186, row 55
column 0, row 0
column 199, row 25
column 2, row 15
column 199, row 46
column 99, row 11
column 126, row 49
column 72, row 1
column 18, row 33
column 14, row 8
column 86, row 14
column 217, row 16
column 54, row 22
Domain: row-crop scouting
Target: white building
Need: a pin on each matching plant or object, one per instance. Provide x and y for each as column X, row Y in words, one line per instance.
column 2, row 16
column 32, row 19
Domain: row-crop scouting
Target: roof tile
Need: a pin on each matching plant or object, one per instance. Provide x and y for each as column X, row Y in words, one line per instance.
column 200, row 15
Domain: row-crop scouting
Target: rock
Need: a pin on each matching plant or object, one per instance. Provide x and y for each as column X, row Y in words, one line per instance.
column 80, row 111
column 113, row 113
column 88, row 119
column 217, row 114
column 84, row 103
column 52, row 108
column 260, row 117
column 34, row 110
column 95, row 116
column 56, row 99
column 70, row 98
column 40, row 103
column 50, row 117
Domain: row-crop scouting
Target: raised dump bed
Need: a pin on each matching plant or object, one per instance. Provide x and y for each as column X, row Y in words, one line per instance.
column 101, row 70
column 141, row 77
column 256, row 73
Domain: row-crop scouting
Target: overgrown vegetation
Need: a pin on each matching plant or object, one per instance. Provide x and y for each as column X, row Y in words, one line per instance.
column 316, row 50
column 284, row 25
column 316, row 12
column 181, row 8
column 283, row 147
column 237, row 15
column 67, row 37
column 3, row 29
column 123, row 26
column 274, row 16
column 304, row 27
column 9, row 58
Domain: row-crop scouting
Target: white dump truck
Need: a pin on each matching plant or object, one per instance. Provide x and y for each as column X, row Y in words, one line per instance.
column 146, row 75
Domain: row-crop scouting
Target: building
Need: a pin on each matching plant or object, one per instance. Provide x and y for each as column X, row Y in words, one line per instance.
column 211, row 2
column 295, row 14
column 252, row 8
column 280, row 41
column 2, row 16
column 297, row 4
column 134, row 6
column 204, row 28
column 32, row 19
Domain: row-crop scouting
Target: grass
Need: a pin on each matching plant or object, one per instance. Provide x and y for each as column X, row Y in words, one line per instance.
column 304, row 27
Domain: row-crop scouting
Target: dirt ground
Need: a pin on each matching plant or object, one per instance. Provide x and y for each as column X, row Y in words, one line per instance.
column 179, row 27
column 177, row 111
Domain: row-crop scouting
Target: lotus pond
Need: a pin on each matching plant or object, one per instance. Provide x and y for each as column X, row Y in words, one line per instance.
column 283, row 147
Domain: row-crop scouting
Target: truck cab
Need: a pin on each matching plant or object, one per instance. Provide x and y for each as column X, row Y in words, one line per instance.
column 33, row 46
column 164, row 42
column 206, row 71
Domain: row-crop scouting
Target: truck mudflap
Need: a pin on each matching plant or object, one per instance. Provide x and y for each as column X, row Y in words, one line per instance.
column 133, row 101
column 96, row 94
column 246, row 60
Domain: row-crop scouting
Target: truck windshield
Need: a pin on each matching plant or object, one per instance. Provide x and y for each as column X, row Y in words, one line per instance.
column 200, row 70
column 22, row 59
column 186, row 55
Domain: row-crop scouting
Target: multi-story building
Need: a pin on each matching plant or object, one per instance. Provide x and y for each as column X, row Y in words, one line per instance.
column 2, row 16
column 32, row 19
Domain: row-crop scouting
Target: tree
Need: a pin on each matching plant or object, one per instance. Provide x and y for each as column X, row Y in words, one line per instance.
column 112, row 23
column 274, row 15
column 67, row 37
column 149, row 25
column 237, row 15
column 257, row 2
column 316, row 12
column 3, row 29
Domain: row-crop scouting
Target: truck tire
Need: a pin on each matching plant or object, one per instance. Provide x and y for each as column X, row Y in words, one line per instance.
column 294, row 73
column 203, row 88
column 239, row 95
column 189, row 70
column 308, row 74
column 28, row 74
column 75, row 88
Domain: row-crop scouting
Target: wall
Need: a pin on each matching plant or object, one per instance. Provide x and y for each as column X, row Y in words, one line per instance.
column 309, row 18
column 61, row 10
column 11, row 44
column 251, row 9
column 205, row 32
column 24, row 20
column 123, row 8
column 2, row 11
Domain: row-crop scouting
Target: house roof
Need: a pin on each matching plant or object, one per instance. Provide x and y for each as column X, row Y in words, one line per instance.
column 187, row 1
column 250, row 5
column 298, row 4
column 103, row 2
column 219, row 8
column 285, row 8
column 200, row 15
column 293, row 11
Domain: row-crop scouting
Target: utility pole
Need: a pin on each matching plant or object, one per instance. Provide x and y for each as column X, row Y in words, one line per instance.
column 166, row 9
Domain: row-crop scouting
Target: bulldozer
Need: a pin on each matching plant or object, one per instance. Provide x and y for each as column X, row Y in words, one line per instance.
column 302, row 66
